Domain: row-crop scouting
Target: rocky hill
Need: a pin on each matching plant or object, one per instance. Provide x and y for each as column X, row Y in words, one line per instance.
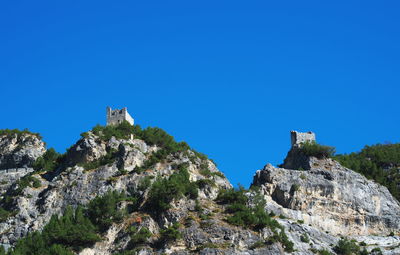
column 123, row 190
column 19, row 149
column 18, row 152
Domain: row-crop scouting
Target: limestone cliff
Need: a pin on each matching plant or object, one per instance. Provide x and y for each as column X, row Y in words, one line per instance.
column 314, row 206
column 20, row 150
column 329, row 198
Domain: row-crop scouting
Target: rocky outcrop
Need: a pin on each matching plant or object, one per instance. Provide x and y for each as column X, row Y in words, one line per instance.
column 339, row 200
column 10, row 176
column 314, row 205
column 77, row 184
column 20, row 150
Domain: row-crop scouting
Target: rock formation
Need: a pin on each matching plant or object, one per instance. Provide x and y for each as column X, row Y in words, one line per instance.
column 322, row 202
column 20, row 150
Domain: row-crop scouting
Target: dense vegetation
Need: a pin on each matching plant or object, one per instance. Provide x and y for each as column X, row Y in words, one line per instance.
column 250, row 213
column 74, row 230
column 151, row 135
column 49, row 161
column 138, row 237
column 10, row 132
column 317, row 150
column 350, row 247
column 165, row 190
column 379, row 162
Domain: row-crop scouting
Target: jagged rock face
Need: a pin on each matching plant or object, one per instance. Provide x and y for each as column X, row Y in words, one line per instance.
column 75, row 185
column 21, row 150
column 329, row 198
column 9, row 177
column 297, row 160
column 338, row 200
column 209, row 236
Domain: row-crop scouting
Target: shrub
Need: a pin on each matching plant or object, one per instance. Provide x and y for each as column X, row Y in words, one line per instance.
column 121, row 131
column 35, row 244
column 324, row 252
column 10, row 132
column 254, row 217
column 283, row 239
column 316, row 150
column 49, row 161
column 145, row 183
column 286, row 243
column 21, row 184
column 139, row 237
column 228, row 196
column 103, row 210
column 295, row 187
column 202, row 183
column 72, row 231
column 304, row 238
column 378, row 162
column 197, row 207
column 207, row 172
column 171, row 233
column 346, row 247
column 258, row 244
column 4, row 214
column 75, row 229
column 164, row 191
column 376, row 251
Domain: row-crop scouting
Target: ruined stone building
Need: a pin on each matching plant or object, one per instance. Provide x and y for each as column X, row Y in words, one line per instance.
column 298, row 138
column 117, row 116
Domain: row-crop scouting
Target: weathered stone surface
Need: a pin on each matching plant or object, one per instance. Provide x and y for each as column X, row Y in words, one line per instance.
column 117, row 116
column 9, row 176
column 322, row 203
column 340, row 201
column 75, row 185
column 297, row 138
column 20, row 151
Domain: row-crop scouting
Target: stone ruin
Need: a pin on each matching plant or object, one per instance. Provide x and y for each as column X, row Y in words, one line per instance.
column 117, row 116
column 297, row 138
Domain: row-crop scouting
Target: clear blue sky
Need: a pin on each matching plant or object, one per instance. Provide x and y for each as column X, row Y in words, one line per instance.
column 231, row 78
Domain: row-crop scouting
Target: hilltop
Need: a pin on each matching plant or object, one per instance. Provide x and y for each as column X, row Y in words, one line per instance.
column 121, row 189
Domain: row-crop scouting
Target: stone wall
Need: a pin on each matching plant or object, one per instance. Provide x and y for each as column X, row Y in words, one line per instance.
column 117, row 116
column 298, row 138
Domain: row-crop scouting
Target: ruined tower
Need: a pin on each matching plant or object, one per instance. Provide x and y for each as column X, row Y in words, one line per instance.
column 298, row 138
column 117, row 116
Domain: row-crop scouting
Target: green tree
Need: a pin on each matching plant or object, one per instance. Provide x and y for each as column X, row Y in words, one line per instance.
column 379, row 163
column 73, row 229
column 48, row 161
column 317, row 150
column 346, row 247
column 103, row 210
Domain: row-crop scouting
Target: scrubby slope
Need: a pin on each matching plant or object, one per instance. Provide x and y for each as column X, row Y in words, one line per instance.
column 123, row 190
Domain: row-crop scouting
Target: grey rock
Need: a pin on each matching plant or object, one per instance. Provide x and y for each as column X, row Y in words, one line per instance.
column 340, row 201
column 20, row 151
